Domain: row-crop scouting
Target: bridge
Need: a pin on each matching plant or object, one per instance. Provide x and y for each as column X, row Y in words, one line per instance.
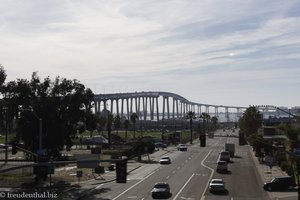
column 156, row 106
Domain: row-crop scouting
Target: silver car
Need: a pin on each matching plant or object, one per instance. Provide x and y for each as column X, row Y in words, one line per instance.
column 165, row 160
column 216, row 185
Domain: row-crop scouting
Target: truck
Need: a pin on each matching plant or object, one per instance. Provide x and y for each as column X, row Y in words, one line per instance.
column 230, row 148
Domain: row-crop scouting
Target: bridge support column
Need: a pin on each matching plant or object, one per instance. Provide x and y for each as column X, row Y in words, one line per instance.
column 127, row 107
column 117, row 105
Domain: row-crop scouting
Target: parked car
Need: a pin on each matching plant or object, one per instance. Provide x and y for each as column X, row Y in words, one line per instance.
column 280, row 183
column 182, row 147
column 165, row 160
column 222, row 166
column 216, row 185
column 160, row 189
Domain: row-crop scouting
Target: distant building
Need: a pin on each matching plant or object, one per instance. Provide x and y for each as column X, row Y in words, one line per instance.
column 272, row 121
column 271, row 132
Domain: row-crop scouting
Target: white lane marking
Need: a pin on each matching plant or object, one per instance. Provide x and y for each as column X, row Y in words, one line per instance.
column 212, row 170
column 98, row 186
column 133, row 186
column 183, row 187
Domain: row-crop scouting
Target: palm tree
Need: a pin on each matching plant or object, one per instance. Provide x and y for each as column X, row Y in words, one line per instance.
column 191, row 115
column 251, row 121
column 214, row 120
column 205, row 118
column 133, row 118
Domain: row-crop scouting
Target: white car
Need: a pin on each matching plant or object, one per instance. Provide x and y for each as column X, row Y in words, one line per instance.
column 182, row 147
column 216, row 185
column 165, row 160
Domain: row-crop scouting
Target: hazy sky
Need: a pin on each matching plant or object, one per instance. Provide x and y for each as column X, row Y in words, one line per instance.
column 229, row 52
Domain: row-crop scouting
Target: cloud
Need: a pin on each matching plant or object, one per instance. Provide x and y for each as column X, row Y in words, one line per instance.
column 142, row 44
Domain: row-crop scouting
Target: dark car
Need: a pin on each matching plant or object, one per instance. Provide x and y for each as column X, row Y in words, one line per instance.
column 224, row 156
column 160, row 190
column 222, row 166
column 280, row 183
column 160, row 145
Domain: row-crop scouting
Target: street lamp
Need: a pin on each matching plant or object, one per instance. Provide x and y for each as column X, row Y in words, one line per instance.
column 40, row 127
column 6, row 132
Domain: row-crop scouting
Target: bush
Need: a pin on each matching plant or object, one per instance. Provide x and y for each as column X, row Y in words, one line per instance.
column 287, row 167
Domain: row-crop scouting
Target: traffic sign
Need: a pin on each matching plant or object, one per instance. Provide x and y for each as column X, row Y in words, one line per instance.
column 50, row 169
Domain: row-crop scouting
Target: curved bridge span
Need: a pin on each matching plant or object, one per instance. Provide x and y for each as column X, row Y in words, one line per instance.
column 156, row 105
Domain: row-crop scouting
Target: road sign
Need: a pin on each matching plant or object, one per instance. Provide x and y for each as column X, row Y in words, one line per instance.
column 50, row 169
column 41, row 152
column 105, row 157
column 87, row 160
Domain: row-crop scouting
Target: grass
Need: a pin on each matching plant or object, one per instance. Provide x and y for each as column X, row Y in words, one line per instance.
column 9, row 138
column 185, row 135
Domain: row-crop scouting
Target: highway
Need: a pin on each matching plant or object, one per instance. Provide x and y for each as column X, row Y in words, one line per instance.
column 189, row 175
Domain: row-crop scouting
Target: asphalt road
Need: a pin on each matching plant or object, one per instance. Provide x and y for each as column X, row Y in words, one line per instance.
column 189, row 175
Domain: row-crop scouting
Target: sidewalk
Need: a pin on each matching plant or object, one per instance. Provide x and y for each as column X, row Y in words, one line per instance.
column 80, row 190
column 266, row 173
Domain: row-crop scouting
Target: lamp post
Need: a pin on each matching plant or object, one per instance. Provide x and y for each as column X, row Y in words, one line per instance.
column 6, row 132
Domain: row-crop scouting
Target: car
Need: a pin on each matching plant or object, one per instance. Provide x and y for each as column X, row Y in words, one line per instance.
column 160, row 190
column 165, row 160
column 280, row 183
column 216, row 185
column 160, row 145
column 224, row 156
column 182, row 147
column 222, row 166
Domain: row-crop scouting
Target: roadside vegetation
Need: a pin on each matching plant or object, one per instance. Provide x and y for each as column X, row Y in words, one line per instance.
column 280, row 148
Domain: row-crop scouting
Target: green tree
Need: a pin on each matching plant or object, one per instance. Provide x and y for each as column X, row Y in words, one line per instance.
column 110, row 119
column 214, row 120
column 133, row 118
column 102, row 122
column 190, row 116
column 117, row 123
column 293, row 135
column 251, row 121
column 61, row 104
column 3, row 76
column 141, row 147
